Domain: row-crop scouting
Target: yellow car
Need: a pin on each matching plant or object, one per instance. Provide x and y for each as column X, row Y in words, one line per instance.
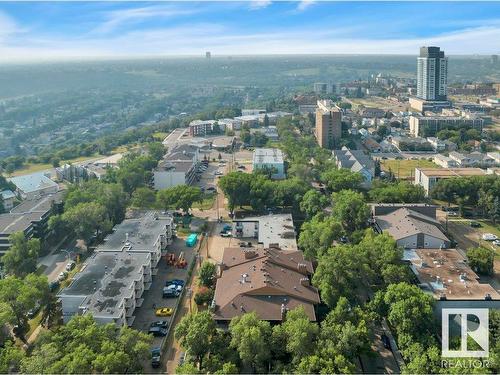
column 164, row 311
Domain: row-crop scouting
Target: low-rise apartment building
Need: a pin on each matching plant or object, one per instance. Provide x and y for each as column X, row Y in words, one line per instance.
column 34, row 185
column 444, row 161
column 30, row 217
column 267, row 229
column 356, row 161
column 413, row 226
column 178, row 167
column 8, row 199
column 200, row 128
column 445, row 274
column 269, row 282
column 109, row 286
column 474, row 159
column 270, row 159
column 149, row 232
column 428, row 126
column 428, row 177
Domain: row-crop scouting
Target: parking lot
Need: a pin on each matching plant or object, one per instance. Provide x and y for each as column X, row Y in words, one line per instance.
column 145, row 314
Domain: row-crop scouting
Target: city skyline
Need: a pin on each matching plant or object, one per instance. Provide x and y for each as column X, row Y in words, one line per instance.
column 58, row 30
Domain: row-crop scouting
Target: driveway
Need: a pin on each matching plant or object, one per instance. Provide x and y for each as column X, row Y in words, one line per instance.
column 145, row 314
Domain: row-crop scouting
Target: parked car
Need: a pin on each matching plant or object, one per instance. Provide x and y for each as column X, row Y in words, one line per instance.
column 210, row 188
column 227, row 227
column 385, row 341
column 175, row 282
column 157, row 331
column 496, row 242
column 226, row 234
column 155, row 357
column 160, row 323
column 170, row 293
column 241, row 167
column 452, row 213
column 475, row 224
column 176, row 287
column 53, row 285
column 164, row 311
column 70, row 266
column 62, row 276
column 489, row 237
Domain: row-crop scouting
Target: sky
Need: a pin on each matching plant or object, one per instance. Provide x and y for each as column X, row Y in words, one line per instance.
column 62, row 30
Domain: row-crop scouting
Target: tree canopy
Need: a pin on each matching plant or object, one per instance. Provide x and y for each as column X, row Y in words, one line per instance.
column 341, row 179
column 179, row 197
column 21, row 257
column 84, row 346
column 397, row 192
column 18, row 296
column 481, row 260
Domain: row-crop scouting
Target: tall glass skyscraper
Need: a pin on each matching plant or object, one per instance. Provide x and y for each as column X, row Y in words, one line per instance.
column 432, row 71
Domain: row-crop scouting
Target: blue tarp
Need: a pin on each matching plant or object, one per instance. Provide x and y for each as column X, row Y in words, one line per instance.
column 191, row 240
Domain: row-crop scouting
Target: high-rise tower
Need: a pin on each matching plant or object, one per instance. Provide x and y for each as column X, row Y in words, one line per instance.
column 432, row 71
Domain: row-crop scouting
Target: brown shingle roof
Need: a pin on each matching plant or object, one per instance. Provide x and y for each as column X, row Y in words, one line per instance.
column 262, row 280
column 404, row 222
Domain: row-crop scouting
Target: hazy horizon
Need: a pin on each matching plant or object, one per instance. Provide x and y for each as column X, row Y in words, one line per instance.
column 42, row 31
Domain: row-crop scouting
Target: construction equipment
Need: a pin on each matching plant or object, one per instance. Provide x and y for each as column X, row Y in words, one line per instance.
column 181, row 261
column 170, row 257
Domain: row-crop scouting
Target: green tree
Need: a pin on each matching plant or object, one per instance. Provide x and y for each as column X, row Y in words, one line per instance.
column 187, row 368
column 315, row 364
column 179, row 197
column 156, row 150
column 318, row 234
column 10, row 358
column 109, row 195
column 289, row 192
column 410, row 312
column 299, row 334
column 250, row 338
column 422, row 361
column 206, row 274
column 143, row 197
column 87, row 219
column 398, row 192
column 341, row 179
column 57, row 226
column 236, row 187
column 228, row 368
column 481, row 260
column 195, row 333
column 84, row 346
column 313, row 202
column 18, row 296
column 346, row 270
column 344, row 332
column 351, row 210
column 21, row 257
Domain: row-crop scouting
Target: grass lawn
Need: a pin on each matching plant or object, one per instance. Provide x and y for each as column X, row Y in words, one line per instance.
column 405, row 168
column 207, row 203
column 160, row 136
column 35, row 322
column 35, row 167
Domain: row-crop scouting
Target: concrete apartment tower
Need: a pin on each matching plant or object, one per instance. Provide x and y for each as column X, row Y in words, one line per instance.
column 328, row 124
column 432, row 71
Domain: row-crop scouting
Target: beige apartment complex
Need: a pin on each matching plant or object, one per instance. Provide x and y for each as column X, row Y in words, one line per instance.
column 328, row 124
